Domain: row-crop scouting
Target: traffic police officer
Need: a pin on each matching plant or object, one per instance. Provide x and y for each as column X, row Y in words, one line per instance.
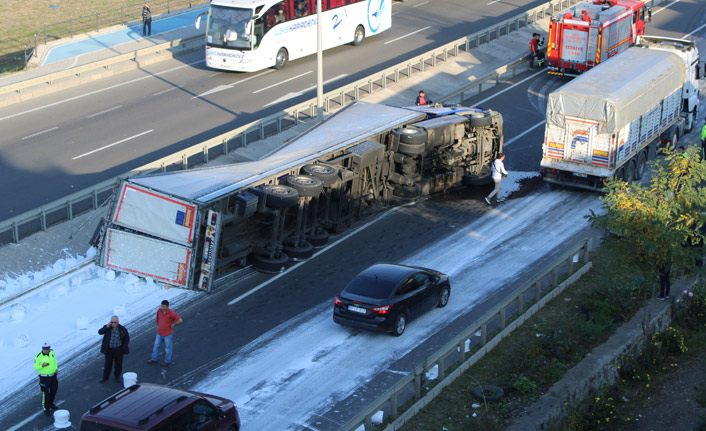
column 45, row 364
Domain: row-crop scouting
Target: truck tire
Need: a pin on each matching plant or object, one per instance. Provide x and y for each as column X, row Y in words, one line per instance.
column 273, row 265
column 619, row 175
column 674, row 138
column 410, row 135
column 327, row 174
column 298, row 253
column 490, row 393
column 640, row 167
column 305, row 185
column 691, row 119
column 411, row 149
column 358, row 36
column 318, row 239
column 480, row 119
column 630, row 171
column 279, row 196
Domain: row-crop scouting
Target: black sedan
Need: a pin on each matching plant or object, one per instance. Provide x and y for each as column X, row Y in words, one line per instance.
column 385, row 296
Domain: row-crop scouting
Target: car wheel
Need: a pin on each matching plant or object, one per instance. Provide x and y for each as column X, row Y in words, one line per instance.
column 305, row 185
column 359, row 35
column 444, row 297
column 327, row 174
column 279, row 196
column 488, row 393
column 281, row 59
column 400, row 324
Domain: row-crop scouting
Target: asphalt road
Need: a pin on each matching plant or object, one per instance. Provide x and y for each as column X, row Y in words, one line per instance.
column 47, row 144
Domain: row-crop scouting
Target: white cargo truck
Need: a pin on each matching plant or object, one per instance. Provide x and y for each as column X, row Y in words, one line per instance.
column 607, row 123
column 187, row 228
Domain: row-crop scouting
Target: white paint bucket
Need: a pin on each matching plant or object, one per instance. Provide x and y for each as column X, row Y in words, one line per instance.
column 129, row 379
column 61, row 419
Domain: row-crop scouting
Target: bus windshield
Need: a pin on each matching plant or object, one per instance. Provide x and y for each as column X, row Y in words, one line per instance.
column 228, row 27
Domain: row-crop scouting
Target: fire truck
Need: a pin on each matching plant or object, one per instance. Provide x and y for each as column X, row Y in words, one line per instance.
column 591, row 32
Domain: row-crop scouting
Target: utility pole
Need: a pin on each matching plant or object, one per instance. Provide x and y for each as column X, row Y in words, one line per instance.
column 319, row 66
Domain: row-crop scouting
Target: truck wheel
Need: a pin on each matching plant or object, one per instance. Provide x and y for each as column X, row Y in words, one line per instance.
column 674, row 139
column 630, row 171
column 305, row 185
column 410, row 135
column 281, row 58
column 279, row 196
column 619, row 175
column 407, row 191
column 301, row 252
column 327, row 174
column 480, row 119
column 358, row 35
column 640, row 167
column 318, row 239
column 488, row 393
column 273, row 265
column 411, row 149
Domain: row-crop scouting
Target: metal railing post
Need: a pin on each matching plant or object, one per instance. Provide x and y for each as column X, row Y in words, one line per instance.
column 95, row 199
column 43, row 220
column 97, row 22
column 70, row 210
column 15, row 233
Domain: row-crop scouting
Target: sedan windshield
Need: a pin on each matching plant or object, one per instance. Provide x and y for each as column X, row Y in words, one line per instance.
column 227, row 27
column 370, row 286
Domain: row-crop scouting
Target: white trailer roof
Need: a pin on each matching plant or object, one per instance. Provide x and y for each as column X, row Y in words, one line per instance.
column 618, row 91
column 348, row 126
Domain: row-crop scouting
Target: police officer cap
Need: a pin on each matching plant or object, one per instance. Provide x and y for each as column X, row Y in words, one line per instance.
column 45, row 345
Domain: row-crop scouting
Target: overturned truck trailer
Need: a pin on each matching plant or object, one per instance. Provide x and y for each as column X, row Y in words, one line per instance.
column 187, row 228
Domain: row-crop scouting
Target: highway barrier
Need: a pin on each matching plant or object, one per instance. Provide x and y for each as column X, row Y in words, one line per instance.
column 18, row 227
column 504, row 318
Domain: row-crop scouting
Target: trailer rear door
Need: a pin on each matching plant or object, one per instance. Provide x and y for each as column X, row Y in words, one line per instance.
column 144, row 256
column 577, row 139
column 155, row 213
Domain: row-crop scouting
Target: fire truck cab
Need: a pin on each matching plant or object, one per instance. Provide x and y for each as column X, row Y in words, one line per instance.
column 590, row 32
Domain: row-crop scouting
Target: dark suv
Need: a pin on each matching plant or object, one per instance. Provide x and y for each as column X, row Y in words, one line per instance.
column 160, row 408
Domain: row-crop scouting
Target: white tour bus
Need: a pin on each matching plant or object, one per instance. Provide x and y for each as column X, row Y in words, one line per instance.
column 251, row 35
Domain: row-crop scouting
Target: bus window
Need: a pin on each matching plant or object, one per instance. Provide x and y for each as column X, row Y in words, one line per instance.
column 227, row 27
column 301, row 9
column 270, row 19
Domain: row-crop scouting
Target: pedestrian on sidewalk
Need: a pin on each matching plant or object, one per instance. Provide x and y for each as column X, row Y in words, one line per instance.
column 422, row 99
column 146, row 20
column 114, row 345
column 45, row 364
column 664, row 282
column 167, row 319
column 535, row 45
column 497, row 172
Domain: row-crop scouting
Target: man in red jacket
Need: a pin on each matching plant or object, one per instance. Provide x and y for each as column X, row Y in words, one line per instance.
column 167, row 319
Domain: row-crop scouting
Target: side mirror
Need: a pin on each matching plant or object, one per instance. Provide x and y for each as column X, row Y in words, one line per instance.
column 649, row 14
column 248, row 28
column 198, row 20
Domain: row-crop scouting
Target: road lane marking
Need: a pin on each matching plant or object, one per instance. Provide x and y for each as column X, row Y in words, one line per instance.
column 408, row 34
column 323, row 250
column 113, row 144
column 229, row 86
column 523, row 134
column 299, row 93
column 167, row 90
column 39, row 133
column 103, row 112
column 80, row 96
column 665, row 7
column 508, row 88
column 695, row 30
column 421, row 4
column 282, row 82
column 29, row 418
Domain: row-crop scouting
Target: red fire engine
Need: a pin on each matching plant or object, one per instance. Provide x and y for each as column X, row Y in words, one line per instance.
column 590, row 32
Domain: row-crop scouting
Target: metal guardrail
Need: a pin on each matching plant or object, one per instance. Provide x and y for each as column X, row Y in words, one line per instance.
column 90, row 198
column 125, row 15
column 456, row 350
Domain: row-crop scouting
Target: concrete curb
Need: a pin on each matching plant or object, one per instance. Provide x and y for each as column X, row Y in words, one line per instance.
column 601, row 367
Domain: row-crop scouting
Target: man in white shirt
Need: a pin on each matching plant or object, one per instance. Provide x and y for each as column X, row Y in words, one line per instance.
column 497, row 173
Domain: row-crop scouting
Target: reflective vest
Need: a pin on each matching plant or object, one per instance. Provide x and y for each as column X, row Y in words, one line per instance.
column 49, row 359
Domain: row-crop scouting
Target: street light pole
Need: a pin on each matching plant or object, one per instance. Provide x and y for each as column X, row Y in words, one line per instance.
column 319, row 65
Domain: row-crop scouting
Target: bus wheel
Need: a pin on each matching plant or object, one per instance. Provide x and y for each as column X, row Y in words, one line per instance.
column 359, row 35
column 281, row 58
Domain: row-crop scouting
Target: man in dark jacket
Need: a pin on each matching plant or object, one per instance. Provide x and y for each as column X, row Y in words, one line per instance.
column 115, row 343
column 146, row 20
